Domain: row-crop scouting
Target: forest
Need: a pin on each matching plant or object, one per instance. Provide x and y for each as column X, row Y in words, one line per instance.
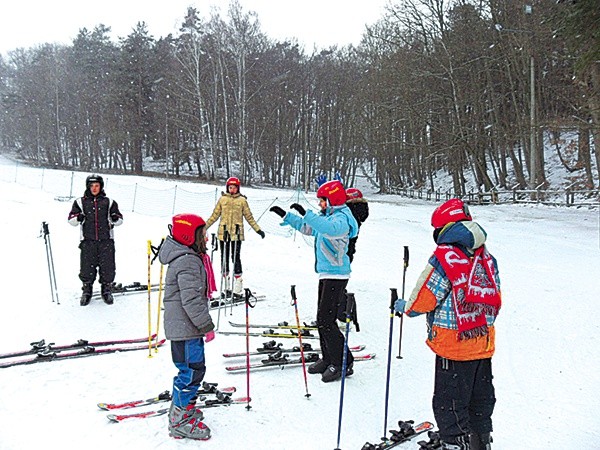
column 463, row 87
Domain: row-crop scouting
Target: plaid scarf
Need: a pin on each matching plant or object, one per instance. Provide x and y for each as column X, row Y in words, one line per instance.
column 474, row 289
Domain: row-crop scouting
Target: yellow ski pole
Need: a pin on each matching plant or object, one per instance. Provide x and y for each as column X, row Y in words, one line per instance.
column 160, row 290
column 149, row 302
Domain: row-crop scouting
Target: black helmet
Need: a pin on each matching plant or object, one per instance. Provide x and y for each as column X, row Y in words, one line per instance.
column 94, row 179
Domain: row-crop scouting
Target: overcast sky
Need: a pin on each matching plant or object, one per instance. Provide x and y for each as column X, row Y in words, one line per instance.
column 26, row 23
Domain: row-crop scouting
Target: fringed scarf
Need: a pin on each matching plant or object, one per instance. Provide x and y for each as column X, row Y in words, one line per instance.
column 211, row 286
column 474, row 288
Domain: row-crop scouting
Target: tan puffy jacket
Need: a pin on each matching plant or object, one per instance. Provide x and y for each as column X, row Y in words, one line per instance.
column 232, row 209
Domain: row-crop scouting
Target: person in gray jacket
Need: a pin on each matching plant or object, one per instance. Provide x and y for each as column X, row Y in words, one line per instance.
column 189, row 283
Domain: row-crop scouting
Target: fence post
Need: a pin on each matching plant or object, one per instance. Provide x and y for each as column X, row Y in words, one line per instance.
column 174, row 200
column 134, row 197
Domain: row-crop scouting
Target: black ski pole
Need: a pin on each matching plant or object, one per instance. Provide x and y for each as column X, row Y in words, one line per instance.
column 295, row 303
column 234, row 258
column 249, row 305
column 50, row 260
column 214, row 244
column 394, row 297
column 350, row 301
column 402, row 315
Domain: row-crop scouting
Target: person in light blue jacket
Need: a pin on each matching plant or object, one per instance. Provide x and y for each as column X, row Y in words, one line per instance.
column 332, row 228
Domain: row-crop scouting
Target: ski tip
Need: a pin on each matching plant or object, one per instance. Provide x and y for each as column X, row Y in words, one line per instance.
column 113, row 417
column 103, row 406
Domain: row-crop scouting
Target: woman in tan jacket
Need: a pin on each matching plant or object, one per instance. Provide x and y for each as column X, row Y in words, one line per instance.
column 232, row 208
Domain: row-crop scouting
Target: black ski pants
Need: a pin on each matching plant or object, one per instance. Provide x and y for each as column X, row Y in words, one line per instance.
column 463, row 397
column 331, row 293
column 97, row 255
column 231, row 250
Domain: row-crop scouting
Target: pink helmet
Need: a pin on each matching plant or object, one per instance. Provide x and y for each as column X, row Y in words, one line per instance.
column 454, row 210
column 353, row 193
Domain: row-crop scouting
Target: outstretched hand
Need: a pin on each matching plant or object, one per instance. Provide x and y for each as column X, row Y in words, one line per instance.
column 321, row 179
column 278, row 210
column 298, row 208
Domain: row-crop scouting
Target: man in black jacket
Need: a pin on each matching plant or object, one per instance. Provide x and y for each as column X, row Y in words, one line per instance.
column 96, row 215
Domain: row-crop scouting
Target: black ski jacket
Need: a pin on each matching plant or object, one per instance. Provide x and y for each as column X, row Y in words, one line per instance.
column 97, row 216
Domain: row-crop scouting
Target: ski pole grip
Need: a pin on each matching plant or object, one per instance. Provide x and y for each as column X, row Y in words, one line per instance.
column 293, row 292
column 405, row 256
column 45, row 228
column 394, row 297
column 350, row 304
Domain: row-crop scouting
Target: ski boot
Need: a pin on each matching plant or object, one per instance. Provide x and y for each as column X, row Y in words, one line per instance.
column 238, row 286
column 320, row 366
column 86, row 294
column 333, row 373
column 186, row 423
column 107, row 293
column 480, row 441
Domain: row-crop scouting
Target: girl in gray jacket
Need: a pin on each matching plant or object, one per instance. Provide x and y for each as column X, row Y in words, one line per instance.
column 188, row 285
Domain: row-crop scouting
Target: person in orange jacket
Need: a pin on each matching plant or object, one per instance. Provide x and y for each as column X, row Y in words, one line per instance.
column 459, row 291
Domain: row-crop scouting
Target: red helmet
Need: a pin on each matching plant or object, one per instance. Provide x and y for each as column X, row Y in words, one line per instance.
column 185, row 226
column 353, row 193
column 233, row 180
column 334, row 192
column 454, row 210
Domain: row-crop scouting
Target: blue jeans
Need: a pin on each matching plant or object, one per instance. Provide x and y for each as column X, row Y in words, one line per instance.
column 188, row 357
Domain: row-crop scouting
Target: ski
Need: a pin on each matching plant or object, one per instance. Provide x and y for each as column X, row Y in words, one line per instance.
column 42, row 346
column 159, row 412
column 272, row 347
column 135, row 288
column 283, row 361
column 306, row 334
column 284, row 325
column 205, row 389
column 407, row 431
column 52, row 355
column 216, row 303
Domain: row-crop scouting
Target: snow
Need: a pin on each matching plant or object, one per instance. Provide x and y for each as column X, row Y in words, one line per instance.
column 546, row 365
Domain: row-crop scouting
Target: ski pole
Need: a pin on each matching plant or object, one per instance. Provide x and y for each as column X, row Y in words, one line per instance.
column 214, row 243
column 224, row 251
column 234, row 258
column 248, row 306
column 349, row 308
column 160, row 291
column 394, row 297
column 295, row 303
column 402, row 315
column 50, row 260
column 149, row 301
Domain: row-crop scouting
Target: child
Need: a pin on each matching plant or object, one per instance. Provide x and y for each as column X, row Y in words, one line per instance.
column 188, row 285
column 332, row 229
column 459, row 290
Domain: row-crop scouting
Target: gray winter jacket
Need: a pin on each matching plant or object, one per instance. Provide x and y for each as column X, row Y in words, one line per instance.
column 186, row 305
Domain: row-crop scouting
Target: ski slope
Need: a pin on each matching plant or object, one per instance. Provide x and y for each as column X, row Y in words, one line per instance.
column 546, row 365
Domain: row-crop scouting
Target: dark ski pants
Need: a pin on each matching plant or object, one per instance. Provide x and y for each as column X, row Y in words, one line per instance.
column 331, row 293
column 463, row 397
column 188, row 357
column 97, row 255
column 231, row 250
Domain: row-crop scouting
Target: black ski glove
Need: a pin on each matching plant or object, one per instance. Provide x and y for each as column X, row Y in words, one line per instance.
column 298, row 208
column 80, row 217
column 261, row 233
column 277, row 210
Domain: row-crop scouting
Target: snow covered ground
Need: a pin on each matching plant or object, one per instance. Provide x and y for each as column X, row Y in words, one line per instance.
column 546, row 366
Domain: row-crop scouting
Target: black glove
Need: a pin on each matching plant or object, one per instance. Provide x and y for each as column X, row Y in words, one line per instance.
column 261, row 233
column 114, row 217
column 298, row 208
column 277, row 210
column 80, row 217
